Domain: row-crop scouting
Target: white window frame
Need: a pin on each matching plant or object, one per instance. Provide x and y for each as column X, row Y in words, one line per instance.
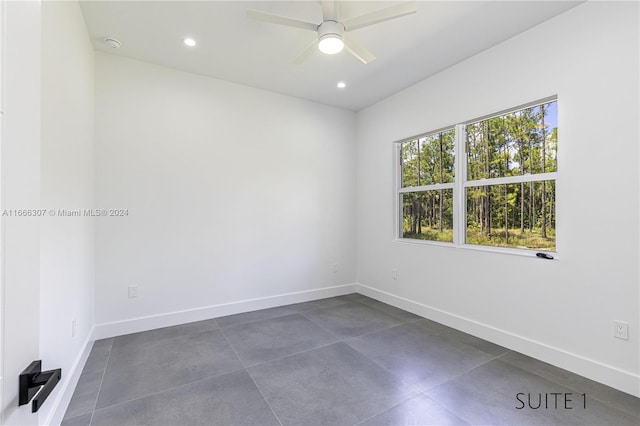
column 432, row 187
column 459, row 186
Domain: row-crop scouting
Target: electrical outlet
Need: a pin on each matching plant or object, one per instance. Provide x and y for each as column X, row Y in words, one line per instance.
column 73, row 327
column 621, row 330
column 336, row 267
column 133, row 291
column 394, row 274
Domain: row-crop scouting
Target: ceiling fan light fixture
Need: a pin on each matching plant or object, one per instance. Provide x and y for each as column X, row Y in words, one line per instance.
column 331, row 44
column 330, row 37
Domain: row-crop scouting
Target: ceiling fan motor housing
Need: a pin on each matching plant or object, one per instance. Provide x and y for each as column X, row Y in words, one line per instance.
column 330, row 29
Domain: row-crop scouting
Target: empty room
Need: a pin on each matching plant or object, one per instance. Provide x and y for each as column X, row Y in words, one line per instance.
column 319, row 213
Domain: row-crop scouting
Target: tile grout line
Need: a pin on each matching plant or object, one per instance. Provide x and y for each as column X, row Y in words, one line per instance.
column 226, row 339
column 460, row 416
column 466, row 371
column 263, row 397
column 377, row 331
column 249, row 374
column 410, row 385
column 446, row 409
column 392, row 315
column 181, row 385
column 256, row 320
column 285, row 356
column 296, row 353
column 339, row 339
column 322, row 328
column 385, row 410
column 166, row 390
column 409, row 399
column 343, row 338
column 101, row 380
column 277, row 315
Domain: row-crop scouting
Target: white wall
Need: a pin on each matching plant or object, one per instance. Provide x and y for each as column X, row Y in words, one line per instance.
column 233, row 193
column 560, row 311
column 67, row 152
column 20, row 190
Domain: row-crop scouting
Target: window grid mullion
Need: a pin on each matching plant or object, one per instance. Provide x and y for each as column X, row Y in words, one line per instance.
column 460, row 213
column 433, row 187
column 538, row 177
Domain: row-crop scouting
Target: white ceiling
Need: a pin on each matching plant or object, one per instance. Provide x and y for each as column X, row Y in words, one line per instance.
column 234, row 48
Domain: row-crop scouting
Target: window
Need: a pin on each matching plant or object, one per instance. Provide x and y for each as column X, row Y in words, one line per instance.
column 426, row 186
column 501, row 192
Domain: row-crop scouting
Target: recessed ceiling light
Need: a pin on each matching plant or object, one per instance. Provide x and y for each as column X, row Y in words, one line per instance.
column 341, row 85
column 189, row 42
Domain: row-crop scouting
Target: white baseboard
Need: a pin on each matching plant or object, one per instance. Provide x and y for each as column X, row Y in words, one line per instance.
column 594, row 370
column 69, row 382
column 135, row 325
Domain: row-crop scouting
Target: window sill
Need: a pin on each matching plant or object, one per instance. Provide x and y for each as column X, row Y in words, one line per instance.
column 474, row 247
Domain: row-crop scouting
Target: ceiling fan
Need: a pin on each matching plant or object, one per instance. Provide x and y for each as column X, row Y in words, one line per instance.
column 332, row 31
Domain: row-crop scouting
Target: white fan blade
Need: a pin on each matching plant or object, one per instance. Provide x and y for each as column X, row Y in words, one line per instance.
column 281, row 20
column 381, row 15
column 306, row 52
column 358, row 51
column 329, row 10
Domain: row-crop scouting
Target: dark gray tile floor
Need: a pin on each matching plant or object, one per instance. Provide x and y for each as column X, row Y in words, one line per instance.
column 341, row 361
